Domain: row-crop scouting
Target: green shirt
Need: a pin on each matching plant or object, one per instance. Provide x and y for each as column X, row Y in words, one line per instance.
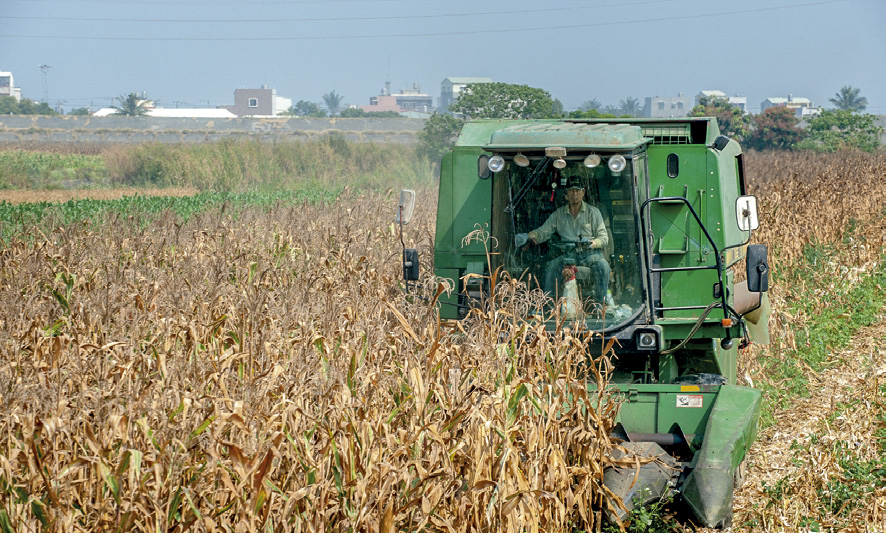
column 587, row 225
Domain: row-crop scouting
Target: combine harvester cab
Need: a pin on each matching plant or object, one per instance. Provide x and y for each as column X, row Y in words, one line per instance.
column 650, row 259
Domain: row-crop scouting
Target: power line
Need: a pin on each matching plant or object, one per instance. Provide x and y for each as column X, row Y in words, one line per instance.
column 558, row 27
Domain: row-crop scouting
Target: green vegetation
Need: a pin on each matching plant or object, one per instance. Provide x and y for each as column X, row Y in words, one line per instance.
column 834, row 130
column 835, row 315
column 330, row 162
column 9, row 106
column 356, row 112
column 438, row 136
column 333, row 102
column 303, row 108
column 732, row 120
column 849, row 99
column 20, row 169
column 131, row 106
column 503, row 100
column 31, row 218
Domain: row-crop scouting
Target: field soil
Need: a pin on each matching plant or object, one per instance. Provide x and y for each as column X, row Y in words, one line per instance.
column 61, row 195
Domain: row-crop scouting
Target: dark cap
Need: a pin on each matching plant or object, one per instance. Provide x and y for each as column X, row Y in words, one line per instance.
column 574, row 182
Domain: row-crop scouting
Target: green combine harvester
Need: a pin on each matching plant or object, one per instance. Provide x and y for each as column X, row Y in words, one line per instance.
column 647, row 254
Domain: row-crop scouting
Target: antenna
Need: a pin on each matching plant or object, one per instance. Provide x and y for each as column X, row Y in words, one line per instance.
column 44, row 69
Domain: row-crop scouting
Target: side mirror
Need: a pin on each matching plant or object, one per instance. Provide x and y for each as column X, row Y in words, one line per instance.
column 758, row 268
column 746, row 213
column 410, row 264
column 405, row 207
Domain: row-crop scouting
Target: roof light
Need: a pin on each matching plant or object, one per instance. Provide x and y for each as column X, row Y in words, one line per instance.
column 559, row 163
column 617, row 163
column 496, row 163
column 592, row 160
column 521, row 160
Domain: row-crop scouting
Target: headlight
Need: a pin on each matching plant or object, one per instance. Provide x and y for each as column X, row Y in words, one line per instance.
column 647, row 340
column 592, row 160
column 521, row 160
column 496, row 163
column 559, row 163
column 617, row 163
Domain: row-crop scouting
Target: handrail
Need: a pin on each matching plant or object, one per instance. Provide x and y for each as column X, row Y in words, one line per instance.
column 650, row 270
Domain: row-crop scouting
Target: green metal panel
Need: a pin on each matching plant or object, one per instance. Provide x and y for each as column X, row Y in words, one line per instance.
column 465, row 203
column 729, row 432
column 678, row 238
column 569, row 135
column 478, row 132
column 446, row 309
column 656, row 408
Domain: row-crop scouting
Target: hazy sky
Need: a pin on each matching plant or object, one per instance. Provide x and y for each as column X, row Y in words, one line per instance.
column 196, row 52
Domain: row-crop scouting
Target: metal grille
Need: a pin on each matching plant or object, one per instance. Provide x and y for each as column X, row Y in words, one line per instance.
column 667, row 133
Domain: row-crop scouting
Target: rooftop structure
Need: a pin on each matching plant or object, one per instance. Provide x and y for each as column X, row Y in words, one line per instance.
column 450, row 89
column 408, row 100
column 8, row 88
column 262, row 102
column 667, row 106
column 740, row 102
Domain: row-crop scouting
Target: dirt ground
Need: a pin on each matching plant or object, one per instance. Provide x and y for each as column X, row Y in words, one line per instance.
column 20, row 196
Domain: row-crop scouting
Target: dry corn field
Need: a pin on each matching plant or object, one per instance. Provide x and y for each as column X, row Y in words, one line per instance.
column 265, row 372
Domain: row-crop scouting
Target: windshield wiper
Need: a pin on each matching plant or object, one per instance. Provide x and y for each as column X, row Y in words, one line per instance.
column 536, row 173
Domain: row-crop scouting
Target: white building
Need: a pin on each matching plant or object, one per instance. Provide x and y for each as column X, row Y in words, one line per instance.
column 802, row 106
column 740, row 102
column 667, row 106
column 8, row 88
column 450, row 89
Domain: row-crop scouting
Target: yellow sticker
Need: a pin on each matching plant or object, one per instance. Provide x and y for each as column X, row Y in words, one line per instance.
column 689, row 388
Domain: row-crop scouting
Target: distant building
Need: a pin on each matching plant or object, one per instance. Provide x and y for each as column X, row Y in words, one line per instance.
column 802, row 106
column 667, row 106
column 8, row 88
column 740, row 102
column 412, row 100
column 450, row 89
column 178, row 112
column 262, row 102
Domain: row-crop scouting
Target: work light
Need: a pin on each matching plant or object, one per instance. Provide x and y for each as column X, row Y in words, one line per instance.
column 592, row 160
column 617, row 163
column 521, row 160
column 496, row 163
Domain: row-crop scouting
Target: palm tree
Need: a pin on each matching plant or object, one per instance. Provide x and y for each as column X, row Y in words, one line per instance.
column 131, row 106
column 629, row 106
column 849, row 100
column 333, row 102
column 588, row 105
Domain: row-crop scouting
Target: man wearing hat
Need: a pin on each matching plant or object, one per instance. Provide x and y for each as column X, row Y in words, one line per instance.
column 582, row 224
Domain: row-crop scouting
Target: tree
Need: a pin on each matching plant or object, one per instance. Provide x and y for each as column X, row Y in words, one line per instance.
column 590, row 113
column 503, row 100
column 303, row 108
column 848, row 99
column 79, row 111
column 10, row 106
column 732, row 120
column 131, row 106
column 834, row 129
column 333, row 102
column 775, row 129
column 438, row 136
column 590, row 105
column 630, row 106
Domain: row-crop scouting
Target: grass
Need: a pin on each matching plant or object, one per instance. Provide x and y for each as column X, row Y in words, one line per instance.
column 230, row 166
column 32, row 219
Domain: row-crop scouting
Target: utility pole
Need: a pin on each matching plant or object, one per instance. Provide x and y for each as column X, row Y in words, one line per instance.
column 44, row 69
